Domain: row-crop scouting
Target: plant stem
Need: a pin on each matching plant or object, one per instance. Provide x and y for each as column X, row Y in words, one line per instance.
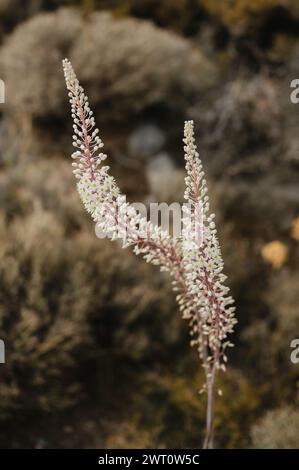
column 209, row 438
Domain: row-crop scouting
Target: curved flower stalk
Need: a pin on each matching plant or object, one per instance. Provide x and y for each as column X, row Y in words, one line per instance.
column 99, row 191
column 194, row 261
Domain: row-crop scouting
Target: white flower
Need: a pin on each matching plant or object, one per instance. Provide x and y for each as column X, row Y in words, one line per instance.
column 203, row 263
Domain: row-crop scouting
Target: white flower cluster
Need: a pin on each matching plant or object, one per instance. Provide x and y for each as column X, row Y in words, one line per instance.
column 98, row 190
column 194, row 261
column 213, row 318
column 85, row 139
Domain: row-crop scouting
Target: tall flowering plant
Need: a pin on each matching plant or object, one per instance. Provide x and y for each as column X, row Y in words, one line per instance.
column 193, row 260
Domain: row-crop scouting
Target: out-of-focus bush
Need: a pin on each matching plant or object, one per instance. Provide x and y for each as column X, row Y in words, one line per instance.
column 181, row 15
column 249, row 109
column 68, row 298
column 127, row 65
column 137, row 71
column 31, row 62
column 241, row 16
column 282, row 299
column 13, row 11
column 42, row 185
column 43, row 308
column 278, row 429
column 268, row 338
column 284, row 308
column 169, row 404
column 60, row 297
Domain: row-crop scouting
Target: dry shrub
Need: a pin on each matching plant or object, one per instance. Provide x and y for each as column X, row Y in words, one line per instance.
column 181, row 15
column 278, row 429
column 269, row 336
column 68, row 298
column 41, row 185
column 168, row 413
column 249, row 106
column 138, row 70
column 53, row 289
column 243, row 15
column 14, row 11
column 43, row 315
column 283, row 299
column 127, row 64
column 31, row 60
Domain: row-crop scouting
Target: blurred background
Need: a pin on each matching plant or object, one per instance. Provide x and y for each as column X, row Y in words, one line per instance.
column 96, row 352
